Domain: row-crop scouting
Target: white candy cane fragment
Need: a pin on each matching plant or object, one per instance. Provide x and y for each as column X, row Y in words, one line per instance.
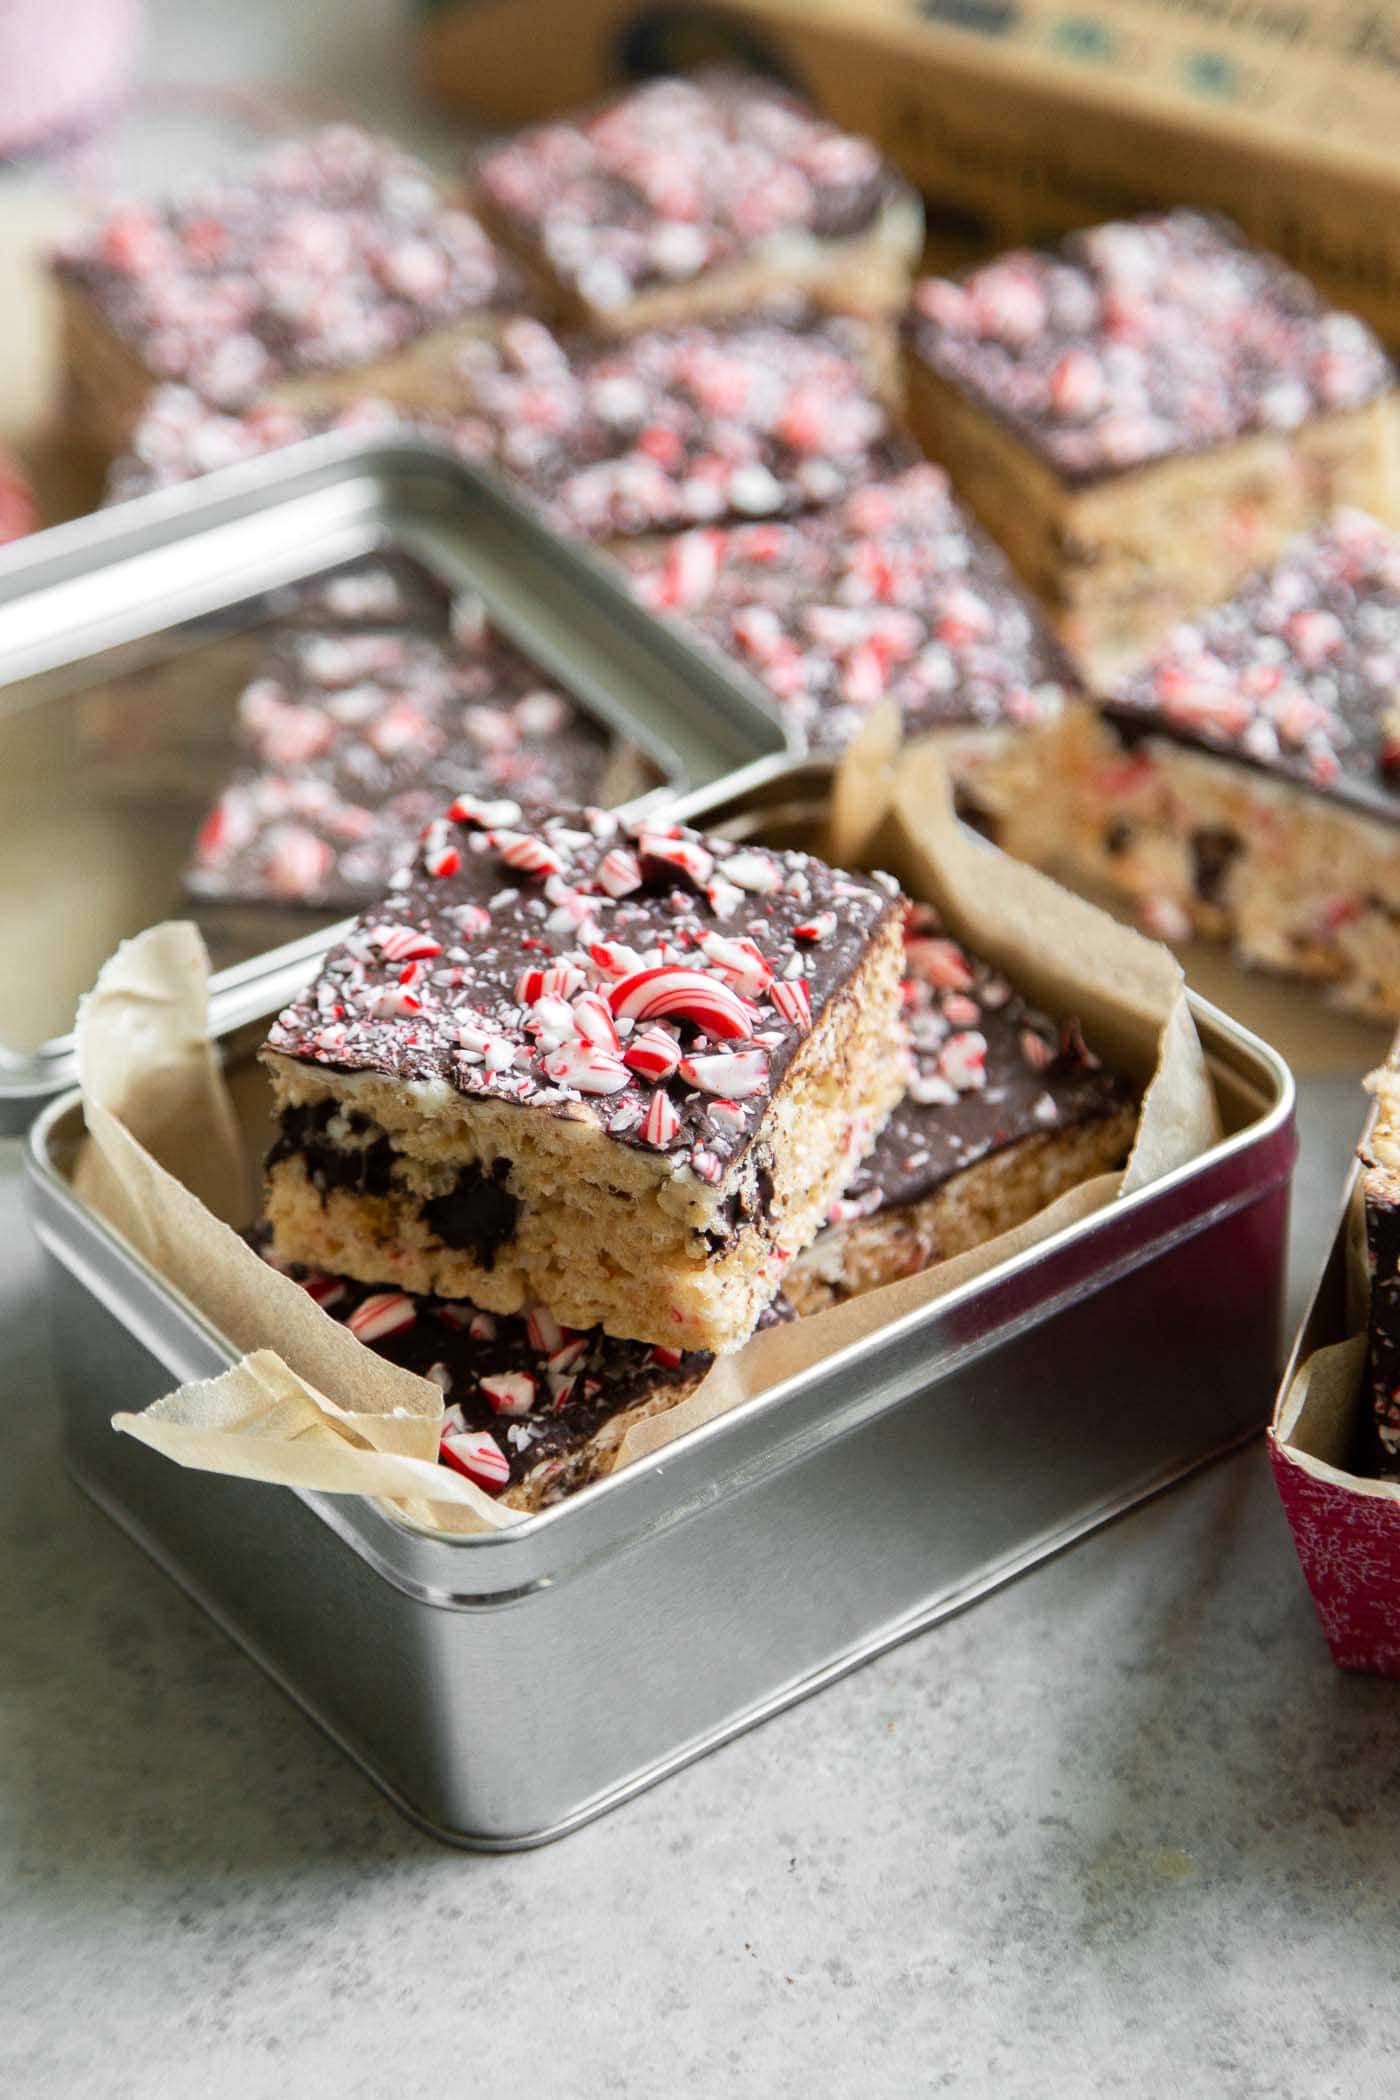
column 653, row 1054
column 403, row 943
column 326, row 1290
column 1038, row 1054
column 594, row 1022
column 484, row 816
column 687, row 856
column 386, row 1313
column 479, row 1456
column 527, row 854
column 619, row 872
column 691, row 995
column 754, row 872
column 589, row 1070
column 543, row 1329
column 819, row 927
column 790, row 996
column 614, row 958
column 510, row 1392
column 735, row 1073
column 441, row 858
column 739, row 961
column 963, row 1061
column 662, row 1123
column 393, row 1002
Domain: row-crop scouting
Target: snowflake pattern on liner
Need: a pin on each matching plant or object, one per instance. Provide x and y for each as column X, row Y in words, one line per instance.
column 1348, row 1544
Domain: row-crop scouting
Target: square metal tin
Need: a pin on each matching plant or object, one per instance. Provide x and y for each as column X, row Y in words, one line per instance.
column 125, row 639
column 504, row 1688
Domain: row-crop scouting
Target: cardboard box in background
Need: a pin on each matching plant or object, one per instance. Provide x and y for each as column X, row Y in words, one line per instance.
column 1021, row 118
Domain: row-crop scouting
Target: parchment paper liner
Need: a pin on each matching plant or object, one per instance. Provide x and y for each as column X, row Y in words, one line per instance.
column 165, row 1165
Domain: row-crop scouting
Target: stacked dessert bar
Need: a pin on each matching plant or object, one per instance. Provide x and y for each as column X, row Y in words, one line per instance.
column 569, row 1112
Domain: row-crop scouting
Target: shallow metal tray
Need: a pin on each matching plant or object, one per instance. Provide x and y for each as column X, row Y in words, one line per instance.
column 126, row 637
column 503, row 1689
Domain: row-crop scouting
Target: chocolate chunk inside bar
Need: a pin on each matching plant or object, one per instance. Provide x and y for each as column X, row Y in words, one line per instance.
column 891, row 594
column 1005, row 1110
column 1146, row 414
column 622, row 1074
column 1244, row 781
column 688, row 198
column 335, row 261
column 353, row 739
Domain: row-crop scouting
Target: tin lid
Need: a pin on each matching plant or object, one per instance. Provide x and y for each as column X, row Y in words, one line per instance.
column 126, row 638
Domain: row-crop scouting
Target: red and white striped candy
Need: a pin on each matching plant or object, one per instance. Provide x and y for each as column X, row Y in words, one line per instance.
column 724, row 897
column 736, row 1073
column 471, row 919
column 693, row 995
column 543, row 1329
column 589, row 1070
column 753, row 871
column 441, row 859
column 727, row 1114
column 614, row 958
column 791, row 998
column 510, row 1392
column 662, row 1122
column 939, row 962
column 479, row 1456
column 619, row 872
column 961, row 1012
column 1038, row 1054
column 296, row 862
column 454, row 1422
column 563, row 1359
column 326, row 1290
column 653, row 1054
column 692, row 859
column 666, row 1359
column 386, row 1313
column 527, row 854
column 963, row 1061
column 484, row 816
column 402, row 943
column 482, row 1327
column 707, row 1166
column 594, row 1022
column 740, row 962
column 819, row 927
column 393, row 1002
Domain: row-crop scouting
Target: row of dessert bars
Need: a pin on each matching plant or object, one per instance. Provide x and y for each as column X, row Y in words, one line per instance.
column 1142, row 424
column 576, row 1105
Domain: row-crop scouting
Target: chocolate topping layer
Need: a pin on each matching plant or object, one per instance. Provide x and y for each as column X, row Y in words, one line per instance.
column 988, row 1069
column 654, row 980
column 689, row 426
column 1298, row 674
column 676, row 178
column 355, row 738
column 330, row 252
column 893, row 594
column 1140, row 339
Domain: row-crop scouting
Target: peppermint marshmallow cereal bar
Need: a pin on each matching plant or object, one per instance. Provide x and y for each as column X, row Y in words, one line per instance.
column 1005, row 1110
column 693, row 426
column 334, row 266
column 353, row 739
column 892, row 593
column 1245, row 782
column 619, row 1073
column 687, row 199
column 1145, row 415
